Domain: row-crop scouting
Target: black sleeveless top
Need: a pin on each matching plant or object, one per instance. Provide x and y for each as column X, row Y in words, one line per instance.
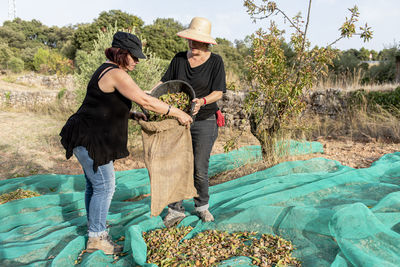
column 100, row 124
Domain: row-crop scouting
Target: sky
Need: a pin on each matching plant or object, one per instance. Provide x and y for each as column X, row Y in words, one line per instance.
column 228, row 17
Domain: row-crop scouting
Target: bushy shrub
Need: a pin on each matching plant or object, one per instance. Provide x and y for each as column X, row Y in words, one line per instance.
column 161, row 38
column 383, row 73
column 60, row 65
column 346, row 61
column 16, row 65
column 5, row 55
column 41, row 58
column 388, row 100
column 87, row 63
column 68, row 50
column 233, row 60
column 147, row 73
column 51, row 62
column 28, row 55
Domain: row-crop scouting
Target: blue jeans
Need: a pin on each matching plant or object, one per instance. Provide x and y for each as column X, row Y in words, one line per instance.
column 204, row 133
column 100, row 187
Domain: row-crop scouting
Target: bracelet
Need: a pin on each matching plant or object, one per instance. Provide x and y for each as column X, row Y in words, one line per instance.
column 205, row 102
column 169, row 109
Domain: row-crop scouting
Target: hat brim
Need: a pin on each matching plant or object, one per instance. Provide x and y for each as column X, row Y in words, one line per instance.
column 137, row 53
column 191, row 35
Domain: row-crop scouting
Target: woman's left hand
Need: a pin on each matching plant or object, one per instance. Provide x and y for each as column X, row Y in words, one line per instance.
column 138, row 116
column 199, row 103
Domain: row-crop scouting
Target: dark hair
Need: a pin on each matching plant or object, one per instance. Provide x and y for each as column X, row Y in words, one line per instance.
column 118, row 55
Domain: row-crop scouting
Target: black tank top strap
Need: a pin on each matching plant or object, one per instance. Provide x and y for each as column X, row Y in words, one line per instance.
column 108, row 67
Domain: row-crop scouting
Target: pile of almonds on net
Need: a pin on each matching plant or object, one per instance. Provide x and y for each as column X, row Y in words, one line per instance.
column 165, row 247
column 179, row 100
column 17, row 194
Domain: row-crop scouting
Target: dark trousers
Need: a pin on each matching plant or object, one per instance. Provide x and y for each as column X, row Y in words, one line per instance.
column 204, row 133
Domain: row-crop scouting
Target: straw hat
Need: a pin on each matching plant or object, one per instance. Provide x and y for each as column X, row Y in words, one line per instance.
column 199, row 30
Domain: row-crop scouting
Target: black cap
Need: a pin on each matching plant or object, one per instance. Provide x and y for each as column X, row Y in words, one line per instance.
column 129, row 42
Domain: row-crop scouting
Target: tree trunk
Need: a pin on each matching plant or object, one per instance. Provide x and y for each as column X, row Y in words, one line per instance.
column 398, row 69
column 268, row 149
column 267, row 138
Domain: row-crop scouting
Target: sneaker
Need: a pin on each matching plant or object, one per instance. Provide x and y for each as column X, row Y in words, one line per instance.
column 205, row 216
column 173, row 218
column 104, row 243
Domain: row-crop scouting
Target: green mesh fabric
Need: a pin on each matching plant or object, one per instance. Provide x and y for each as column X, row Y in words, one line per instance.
column 334, row 215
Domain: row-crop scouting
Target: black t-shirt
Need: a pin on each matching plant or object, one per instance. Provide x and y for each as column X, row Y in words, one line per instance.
column 206, row 78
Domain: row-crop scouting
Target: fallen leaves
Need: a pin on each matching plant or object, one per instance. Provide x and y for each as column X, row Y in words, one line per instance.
column 166, row 247
column 80, row 256
column 17, row 194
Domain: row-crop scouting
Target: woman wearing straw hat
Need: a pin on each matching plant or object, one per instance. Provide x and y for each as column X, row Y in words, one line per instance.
column 205, row 72
column 97, row 133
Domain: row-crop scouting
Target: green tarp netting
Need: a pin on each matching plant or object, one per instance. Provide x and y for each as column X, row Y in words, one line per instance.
column 334, row 215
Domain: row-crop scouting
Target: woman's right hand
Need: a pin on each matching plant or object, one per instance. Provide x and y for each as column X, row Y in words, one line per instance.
column 184, row 118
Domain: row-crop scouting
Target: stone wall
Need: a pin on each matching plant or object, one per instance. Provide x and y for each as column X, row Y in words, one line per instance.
column 49, row 82
column 34, row 89
column 231, row 106
column 33, row 98
column 329, row 102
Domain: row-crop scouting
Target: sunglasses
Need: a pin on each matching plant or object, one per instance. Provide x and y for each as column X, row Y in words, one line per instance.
column 134, row 58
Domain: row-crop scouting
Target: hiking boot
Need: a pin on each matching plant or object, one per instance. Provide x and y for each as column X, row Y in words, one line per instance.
column 205, row 216
column 173, row 218
column 104, row 243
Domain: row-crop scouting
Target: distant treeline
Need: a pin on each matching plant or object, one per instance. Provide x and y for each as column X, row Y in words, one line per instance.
column 33, row 46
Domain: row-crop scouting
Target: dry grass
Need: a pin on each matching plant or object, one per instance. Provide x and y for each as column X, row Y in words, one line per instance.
column 238, row 172
column 225, row 133
column 27, row 142
column 29, row 139
column 361, row 125
column 350, row 82
column 12, row 78
column 10, row 82
column 234, row 82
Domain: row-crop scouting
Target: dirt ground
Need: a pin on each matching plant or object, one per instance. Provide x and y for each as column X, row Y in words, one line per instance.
column 29, row 145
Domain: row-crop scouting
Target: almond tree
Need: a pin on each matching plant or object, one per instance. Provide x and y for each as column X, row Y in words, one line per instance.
column 277, row 83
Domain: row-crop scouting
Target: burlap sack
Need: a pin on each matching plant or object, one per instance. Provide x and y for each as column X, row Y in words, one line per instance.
column 168, row 156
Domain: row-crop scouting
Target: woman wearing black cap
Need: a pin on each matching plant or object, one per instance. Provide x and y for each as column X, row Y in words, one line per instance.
column 97, row 133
